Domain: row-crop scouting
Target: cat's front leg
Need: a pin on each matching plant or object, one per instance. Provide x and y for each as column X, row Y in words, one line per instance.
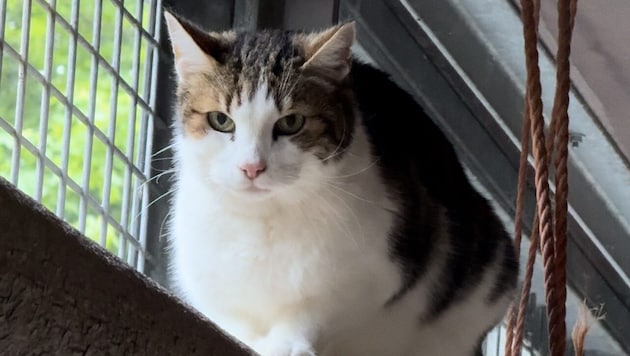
column 286, row 340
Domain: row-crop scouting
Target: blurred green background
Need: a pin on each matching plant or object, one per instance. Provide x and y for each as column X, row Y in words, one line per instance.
column 123, row 113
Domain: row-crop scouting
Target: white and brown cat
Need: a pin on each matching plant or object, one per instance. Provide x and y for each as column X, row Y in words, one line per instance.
column 318, row 210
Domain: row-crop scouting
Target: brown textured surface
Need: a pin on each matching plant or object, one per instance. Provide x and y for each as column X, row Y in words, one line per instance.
column 61, row 294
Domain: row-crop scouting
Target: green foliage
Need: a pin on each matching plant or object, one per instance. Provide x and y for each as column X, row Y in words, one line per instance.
column 116, row 114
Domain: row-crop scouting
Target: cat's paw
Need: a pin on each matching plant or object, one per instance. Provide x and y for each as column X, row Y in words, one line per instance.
column 283, row 347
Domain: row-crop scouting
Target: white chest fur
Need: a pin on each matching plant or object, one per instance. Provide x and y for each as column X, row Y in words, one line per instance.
column 325, row 258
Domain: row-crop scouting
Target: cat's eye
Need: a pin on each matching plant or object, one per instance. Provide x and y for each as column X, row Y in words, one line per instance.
column 220, row 122
column 289, row 124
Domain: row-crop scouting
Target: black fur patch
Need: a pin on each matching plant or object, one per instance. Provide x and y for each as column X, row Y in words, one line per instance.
column 507, row 274
column 424, row 175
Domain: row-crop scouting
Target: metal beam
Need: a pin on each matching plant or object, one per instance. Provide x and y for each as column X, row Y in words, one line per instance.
column 258, row 14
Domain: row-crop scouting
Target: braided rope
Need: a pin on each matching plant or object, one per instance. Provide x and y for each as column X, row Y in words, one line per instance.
column 566, row 16
column 513, row 343
column 552, row 234
column 554, row 274
column 527, row 285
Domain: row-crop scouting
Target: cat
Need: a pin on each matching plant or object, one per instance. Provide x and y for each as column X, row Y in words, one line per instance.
column 317, row 209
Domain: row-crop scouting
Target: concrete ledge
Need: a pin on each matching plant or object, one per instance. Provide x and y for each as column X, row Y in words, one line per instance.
column 62, row 294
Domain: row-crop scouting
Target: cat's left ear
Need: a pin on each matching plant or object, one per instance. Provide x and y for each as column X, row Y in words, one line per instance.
column 194, row 50
column 329, row 53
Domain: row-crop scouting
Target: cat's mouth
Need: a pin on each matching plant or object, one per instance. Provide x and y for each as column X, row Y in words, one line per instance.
column 255, row 193
column 251, row 190
column 256, row 190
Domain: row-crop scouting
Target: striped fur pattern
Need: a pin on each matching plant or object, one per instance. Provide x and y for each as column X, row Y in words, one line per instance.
column 360, row 233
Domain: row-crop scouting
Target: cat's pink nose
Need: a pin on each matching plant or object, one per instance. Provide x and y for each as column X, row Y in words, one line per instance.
column 253, row 170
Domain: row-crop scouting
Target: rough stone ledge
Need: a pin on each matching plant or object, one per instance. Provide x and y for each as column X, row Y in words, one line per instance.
column 61, row 294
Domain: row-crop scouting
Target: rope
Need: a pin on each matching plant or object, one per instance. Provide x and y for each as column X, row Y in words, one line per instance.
column 527, row 284
column 552, row 234
column 545, row 227
column 566, row 16
column 513, row 342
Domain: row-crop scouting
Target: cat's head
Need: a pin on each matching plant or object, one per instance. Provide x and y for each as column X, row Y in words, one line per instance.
column 263, row 114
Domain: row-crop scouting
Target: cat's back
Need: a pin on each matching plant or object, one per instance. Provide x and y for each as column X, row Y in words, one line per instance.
column 403, row 136
column 412, row 151
column 440, row 209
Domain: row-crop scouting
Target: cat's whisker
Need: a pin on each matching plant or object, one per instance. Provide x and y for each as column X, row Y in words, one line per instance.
column 155, row 178
column 161, row 170
column 288, row 74
column 162, row 159
column 161, row 232
column 338, row 222
column 356, row 219
column 362, row 170
column 288, row 77
column 295, row 83
column 341, row 224
column 322, row 215
column 166, row 148
column 284, row 79
column 334, row 153
column 335, row 186
column 144, row 210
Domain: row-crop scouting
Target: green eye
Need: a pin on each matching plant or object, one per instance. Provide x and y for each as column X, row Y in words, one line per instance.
column 289, row 124
column 220, row 122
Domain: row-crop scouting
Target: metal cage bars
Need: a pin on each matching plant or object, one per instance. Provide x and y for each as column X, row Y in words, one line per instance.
column 130, row 225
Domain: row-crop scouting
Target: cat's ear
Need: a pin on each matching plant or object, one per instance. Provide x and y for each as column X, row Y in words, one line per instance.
column 194, row 50
column 329, row 51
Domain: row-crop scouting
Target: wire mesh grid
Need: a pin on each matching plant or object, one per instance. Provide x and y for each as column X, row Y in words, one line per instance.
column 77, row 99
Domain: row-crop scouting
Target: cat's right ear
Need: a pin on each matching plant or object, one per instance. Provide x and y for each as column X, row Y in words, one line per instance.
column 329, row 52
column 194, row 50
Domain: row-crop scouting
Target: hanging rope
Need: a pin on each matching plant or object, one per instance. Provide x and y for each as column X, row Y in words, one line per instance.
column 560, row 117
column 552, row 234
column 513, row 342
